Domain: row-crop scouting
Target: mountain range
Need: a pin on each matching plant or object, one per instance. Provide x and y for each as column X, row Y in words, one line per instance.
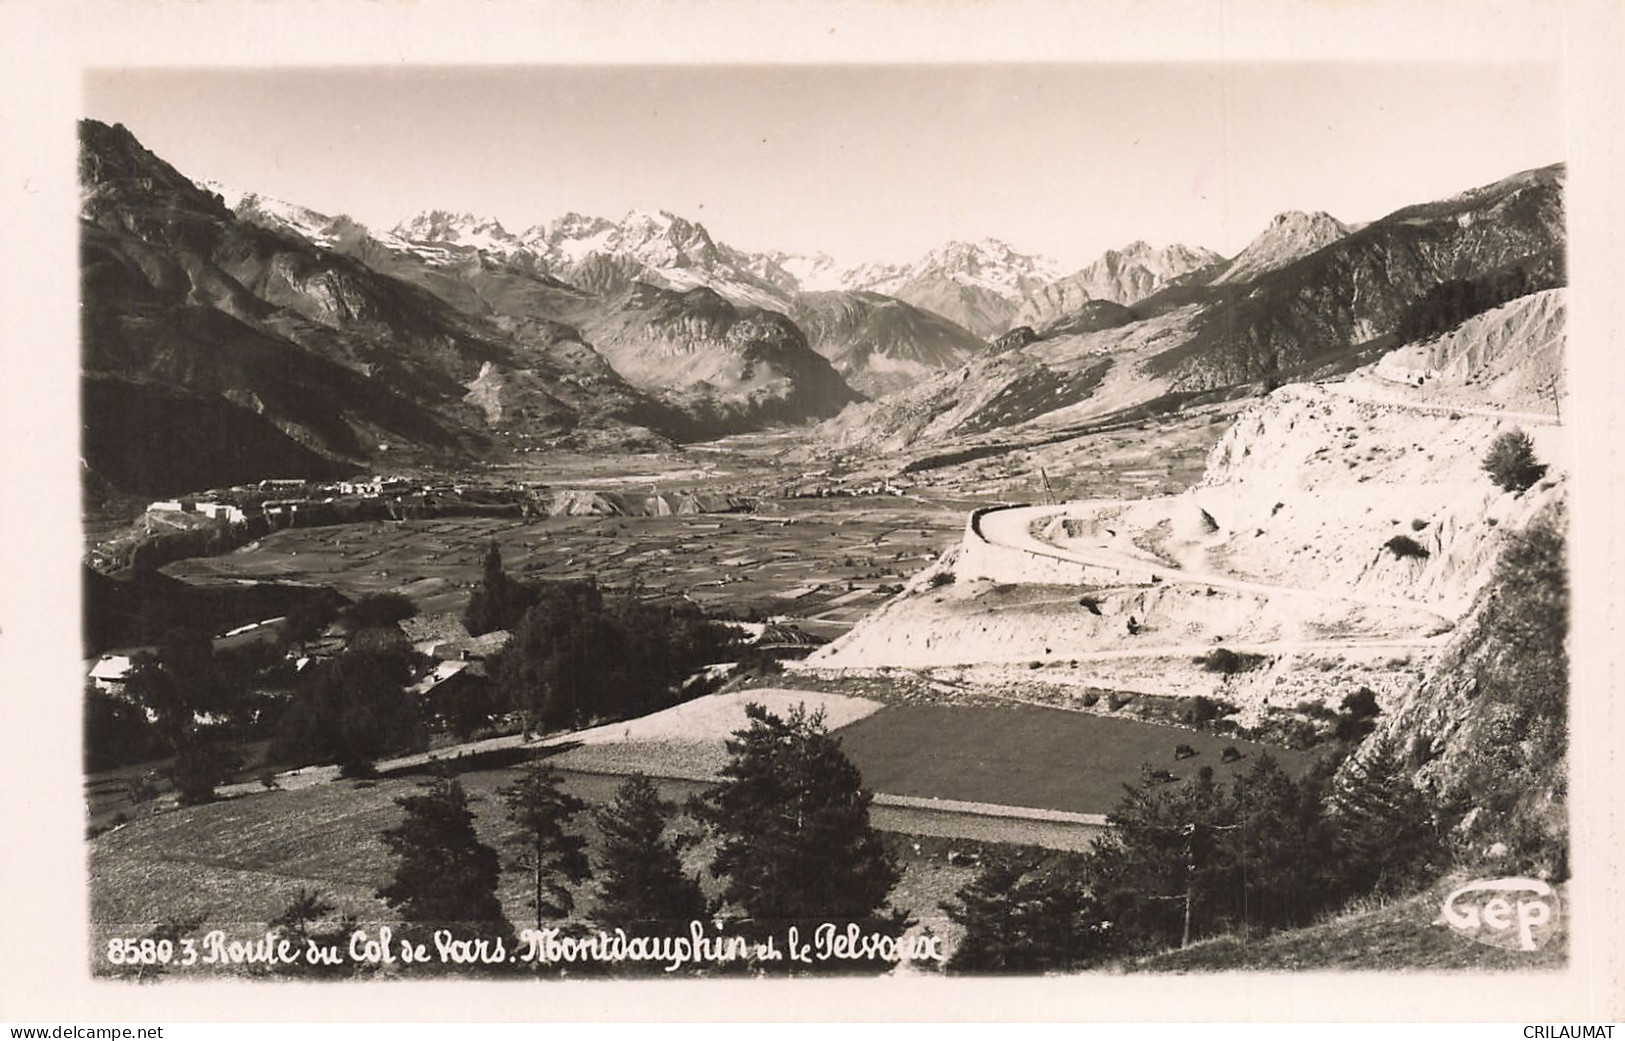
column 243, row 336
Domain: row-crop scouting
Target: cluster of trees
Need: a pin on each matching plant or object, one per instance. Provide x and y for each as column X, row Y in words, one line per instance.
column 789, row 820
column 351, row 710
column 792, row 844
column 1448, row 304
column 577, row 655
column 190, row 706
column 1267, row 851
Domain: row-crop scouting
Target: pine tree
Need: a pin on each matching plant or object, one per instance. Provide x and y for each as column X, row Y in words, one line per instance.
column 1164, row 870
column 791, row 816
column 1386, row 828
column 1511, row 464
column 301, row 924
column 1026, row 918
column 641, row 882
column 555, row 858
column 485, row 606
column 445, row 877
column 1282, row 847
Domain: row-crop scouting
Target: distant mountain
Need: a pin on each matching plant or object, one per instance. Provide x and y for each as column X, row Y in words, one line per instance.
column 1120, row 276
column 879, row 343
column 1289, row 237
column 218, row 349
column 1426, row 267
column 728, row 368
column 657, row 248
column 979, row 285
column 714, row 365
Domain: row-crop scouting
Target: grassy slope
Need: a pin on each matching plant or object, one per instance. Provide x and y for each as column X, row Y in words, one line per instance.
column 237, row 863
column 1021, row 755
column 1398, row 934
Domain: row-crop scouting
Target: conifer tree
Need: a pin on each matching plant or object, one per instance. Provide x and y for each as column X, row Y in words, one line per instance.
column 539, row 809
column 445, row 877
column 641, row 882
column 1386, row 827
column 1026, row 918
column 792, row 819
column 302, row 924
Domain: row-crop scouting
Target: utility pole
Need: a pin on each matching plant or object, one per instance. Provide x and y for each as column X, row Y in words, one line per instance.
column 1190, row 881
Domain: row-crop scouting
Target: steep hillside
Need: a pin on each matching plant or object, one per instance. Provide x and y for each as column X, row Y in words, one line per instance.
column 1361, row 286
column 880, row 344
column 1409, row 275
column 1124, row 276
column 268, row 343
column 730, row 368
column 1486, row 730
column 1509, row 357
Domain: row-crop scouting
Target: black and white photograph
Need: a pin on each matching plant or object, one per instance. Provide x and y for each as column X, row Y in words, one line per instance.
column 909, row 521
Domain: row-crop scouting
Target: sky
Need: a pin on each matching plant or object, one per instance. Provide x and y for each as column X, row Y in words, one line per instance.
column 864, row 162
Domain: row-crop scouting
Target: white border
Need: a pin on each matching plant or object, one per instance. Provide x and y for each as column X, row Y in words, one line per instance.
column 45, row 47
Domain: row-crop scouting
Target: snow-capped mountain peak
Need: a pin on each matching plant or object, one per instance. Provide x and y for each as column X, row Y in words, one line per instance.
column 441, row 227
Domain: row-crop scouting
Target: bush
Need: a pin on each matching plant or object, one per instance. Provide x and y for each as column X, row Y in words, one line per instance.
column 942, row 578
column 1196, row 711
column 377, row 609
column 1403, row 546
column 1223, row 659
column 1511, row 464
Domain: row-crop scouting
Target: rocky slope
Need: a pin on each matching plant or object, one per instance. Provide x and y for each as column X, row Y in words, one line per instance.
column 659, row 248
column 704, row 365
column 1124, row 276
column 880, row 344
column 1289, row 237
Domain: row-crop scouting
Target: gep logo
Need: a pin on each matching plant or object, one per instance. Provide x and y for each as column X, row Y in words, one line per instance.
column 1517, row 914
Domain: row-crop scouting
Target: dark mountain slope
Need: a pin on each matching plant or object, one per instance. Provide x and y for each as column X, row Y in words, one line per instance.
column 728, row 368
column 310, row 346
column 1360, row 287
column 878, row 343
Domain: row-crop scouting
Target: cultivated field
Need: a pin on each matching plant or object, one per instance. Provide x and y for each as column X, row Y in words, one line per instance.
column 820, row 562
column 1024, row 755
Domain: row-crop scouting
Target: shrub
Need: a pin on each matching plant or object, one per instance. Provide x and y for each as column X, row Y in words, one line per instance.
column 1223, row 659
column 377, row 609
column 1418, row 524
column 1196, row 711
column 1403, row 546
column 942, row 578
column 1511, row 464
column 1183, row 751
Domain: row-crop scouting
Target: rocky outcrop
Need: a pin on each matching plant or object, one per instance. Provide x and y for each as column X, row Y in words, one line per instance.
column 1120, row 276
column 1289, row 237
